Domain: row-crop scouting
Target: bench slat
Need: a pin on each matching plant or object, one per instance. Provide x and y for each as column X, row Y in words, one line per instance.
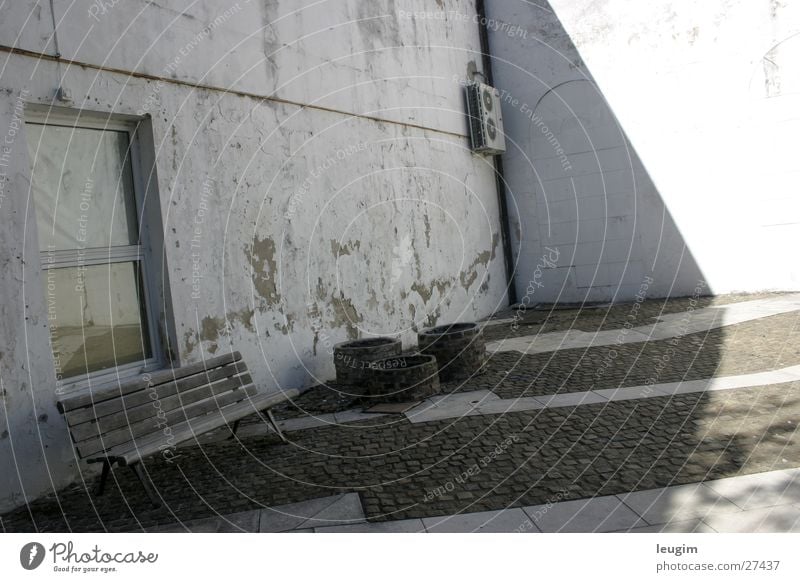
column 121, row 403
column 145, row 381
column 109, row 439
column 87, row 430
column 130, row 453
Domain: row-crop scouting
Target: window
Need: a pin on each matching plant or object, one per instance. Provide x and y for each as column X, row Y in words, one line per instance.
column 84, row 191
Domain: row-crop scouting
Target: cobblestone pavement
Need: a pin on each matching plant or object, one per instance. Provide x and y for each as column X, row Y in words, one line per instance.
column 478, row 463
column 760, row 345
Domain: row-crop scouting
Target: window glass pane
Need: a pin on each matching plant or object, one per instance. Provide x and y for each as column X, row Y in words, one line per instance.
column 96, row 317
column 82, row 187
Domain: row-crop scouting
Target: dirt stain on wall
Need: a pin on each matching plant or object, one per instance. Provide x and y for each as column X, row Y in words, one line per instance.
column 470, row 274
column 346, row 315
column 210, row 330
column 338, row 249
column 264, row 269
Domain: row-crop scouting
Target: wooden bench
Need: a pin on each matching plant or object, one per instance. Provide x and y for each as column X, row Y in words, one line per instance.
column 155, row 412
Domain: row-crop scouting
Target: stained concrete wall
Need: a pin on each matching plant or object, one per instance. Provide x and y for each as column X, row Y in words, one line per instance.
column 650, row 140
column 314, row 184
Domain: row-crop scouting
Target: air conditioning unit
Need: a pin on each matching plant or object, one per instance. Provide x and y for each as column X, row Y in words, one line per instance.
column 485, row 119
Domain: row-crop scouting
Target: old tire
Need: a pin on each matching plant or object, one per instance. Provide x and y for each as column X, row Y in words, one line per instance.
column 459, row 349
column 403, row 379
column 352, row 359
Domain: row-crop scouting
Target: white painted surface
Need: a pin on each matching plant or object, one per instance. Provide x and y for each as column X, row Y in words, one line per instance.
column 678, row 121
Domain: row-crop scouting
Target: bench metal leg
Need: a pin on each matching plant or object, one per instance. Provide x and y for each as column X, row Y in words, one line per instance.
column 101, row 485
column 146, row 483
column 234, row 429
column 274, row 424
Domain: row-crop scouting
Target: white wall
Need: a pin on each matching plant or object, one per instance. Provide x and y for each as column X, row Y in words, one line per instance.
column 306, row 226
column 678, row 120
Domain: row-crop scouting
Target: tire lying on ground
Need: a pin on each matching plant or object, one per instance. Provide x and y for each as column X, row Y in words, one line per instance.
column 459, row 349
column 403, row 379
column 352, row 359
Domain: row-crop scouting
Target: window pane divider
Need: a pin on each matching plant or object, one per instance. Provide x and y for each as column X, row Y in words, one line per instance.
column 98, row 256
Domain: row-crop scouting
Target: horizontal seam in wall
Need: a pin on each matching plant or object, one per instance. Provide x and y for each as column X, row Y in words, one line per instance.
column 149, row 77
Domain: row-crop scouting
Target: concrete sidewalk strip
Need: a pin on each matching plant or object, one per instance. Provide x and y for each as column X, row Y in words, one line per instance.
column 669, row 326
column 678, row 503
column 600, row 514
column 453, row 405
column 706, row 507
column 243, row 522
column 511, row 405
column 346, row 510
column 501, row 521
column 355, row 416
column 304, row 422
column 747, row 380
column 434, row 414
column 399, row 526
column 688, row 526
column 628, row 393
column 760, row 490
column 570, row 399
column 477, row 402
column 454, row 399
column 777, row 519
column 292, row 516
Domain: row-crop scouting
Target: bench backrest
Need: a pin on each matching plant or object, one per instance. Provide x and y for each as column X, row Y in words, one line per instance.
column 117, row 415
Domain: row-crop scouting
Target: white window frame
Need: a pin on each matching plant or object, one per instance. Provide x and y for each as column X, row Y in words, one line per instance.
column 120, row 254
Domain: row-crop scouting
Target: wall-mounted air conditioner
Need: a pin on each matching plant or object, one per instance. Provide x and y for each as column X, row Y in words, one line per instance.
column 485, row 119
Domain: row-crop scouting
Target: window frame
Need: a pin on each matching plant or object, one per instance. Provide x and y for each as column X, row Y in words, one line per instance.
column 140, row 253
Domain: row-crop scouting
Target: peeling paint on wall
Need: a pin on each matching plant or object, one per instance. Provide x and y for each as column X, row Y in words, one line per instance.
column 262, row 260
column 346, row 316
column 470, row 274
column 338, row 249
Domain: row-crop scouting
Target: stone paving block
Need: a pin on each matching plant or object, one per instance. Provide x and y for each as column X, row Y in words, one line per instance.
column 600, row 514
column 399, row 526
column 502, row 521
column 777, row 519
column 687, row 526
column 243, row 522
column 253, row 430
column 678, row 503
column 344, row 511
column 759, row 490
column 293, row 515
